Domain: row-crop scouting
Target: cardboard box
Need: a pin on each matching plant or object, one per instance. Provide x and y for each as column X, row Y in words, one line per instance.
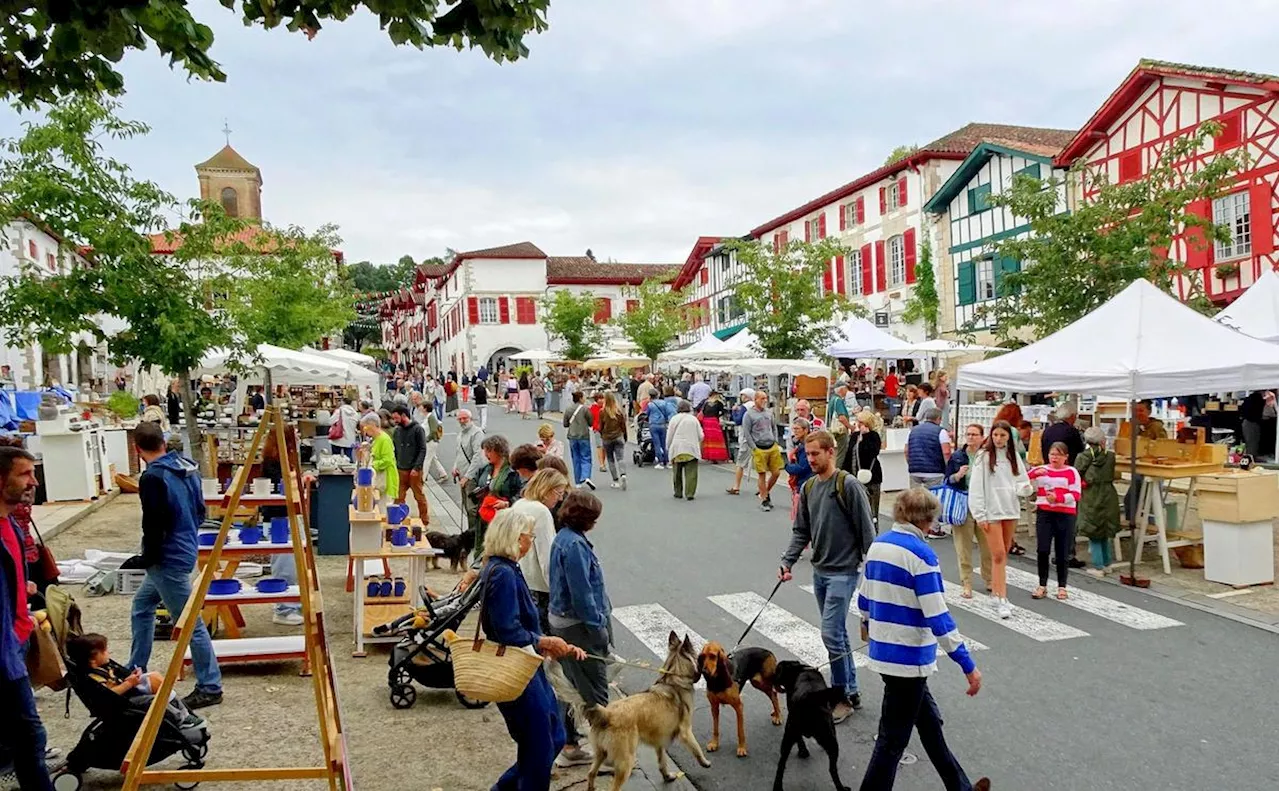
column 1238, row 497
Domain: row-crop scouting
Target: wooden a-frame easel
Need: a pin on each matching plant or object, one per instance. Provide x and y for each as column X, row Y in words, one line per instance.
column 332, row 738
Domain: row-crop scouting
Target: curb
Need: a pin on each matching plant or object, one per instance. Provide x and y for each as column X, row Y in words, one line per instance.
column 93, row 507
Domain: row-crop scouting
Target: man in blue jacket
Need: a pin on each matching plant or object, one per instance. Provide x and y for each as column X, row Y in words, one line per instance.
column 172, row 510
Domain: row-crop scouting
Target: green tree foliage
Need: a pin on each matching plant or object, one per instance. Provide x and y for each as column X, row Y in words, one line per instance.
column 782, row 296
column 53, row 49
column 570, row 319
column 922, row 303
column 901, row 152
column 1076, row 261
column 657, row 318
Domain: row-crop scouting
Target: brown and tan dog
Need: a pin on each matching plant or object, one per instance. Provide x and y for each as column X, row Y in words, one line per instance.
column 726, row 675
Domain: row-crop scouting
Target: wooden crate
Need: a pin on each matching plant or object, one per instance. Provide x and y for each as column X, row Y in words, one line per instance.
column 1238, row 497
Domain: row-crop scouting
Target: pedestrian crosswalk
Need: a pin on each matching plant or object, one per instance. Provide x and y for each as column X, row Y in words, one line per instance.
column 797, row 635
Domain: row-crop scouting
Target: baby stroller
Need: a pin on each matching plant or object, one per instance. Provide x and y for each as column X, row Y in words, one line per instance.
column 422, row 654
column 643, row 454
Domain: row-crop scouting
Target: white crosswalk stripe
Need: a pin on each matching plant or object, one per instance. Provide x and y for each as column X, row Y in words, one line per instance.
column 973, row 645
column 1024, row 622
column 652, row 624
column 801, row 638
column 1101, row 606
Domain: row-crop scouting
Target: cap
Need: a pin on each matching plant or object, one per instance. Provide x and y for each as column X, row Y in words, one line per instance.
column 748, row 392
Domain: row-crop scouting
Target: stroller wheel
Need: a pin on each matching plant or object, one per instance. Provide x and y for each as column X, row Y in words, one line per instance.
column 399, row 677
column 196, row 755
column 67, row 781
column 470, row 703
column 403, row 696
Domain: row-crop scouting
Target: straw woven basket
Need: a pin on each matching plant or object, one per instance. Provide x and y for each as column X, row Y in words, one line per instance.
column 489, row 671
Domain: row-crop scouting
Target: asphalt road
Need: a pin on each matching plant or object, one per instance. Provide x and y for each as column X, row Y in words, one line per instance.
column 1121, row 690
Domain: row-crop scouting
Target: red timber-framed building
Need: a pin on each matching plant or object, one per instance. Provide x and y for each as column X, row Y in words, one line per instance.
column 1159, row 102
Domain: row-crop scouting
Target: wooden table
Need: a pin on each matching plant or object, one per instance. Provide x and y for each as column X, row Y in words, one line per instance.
column 367, row 614
column 1150, row 505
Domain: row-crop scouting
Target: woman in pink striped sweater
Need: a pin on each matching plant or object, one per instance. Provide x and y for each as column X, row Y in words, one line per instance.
column 1057, row 495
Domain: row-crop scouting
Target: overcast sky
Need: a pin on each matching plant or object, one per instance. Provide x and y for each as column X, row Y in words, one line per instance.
column 635, row 127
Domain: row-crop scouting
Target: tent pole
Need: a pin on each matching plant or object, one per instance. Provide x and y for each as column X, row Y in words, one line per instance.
column 1134, row 546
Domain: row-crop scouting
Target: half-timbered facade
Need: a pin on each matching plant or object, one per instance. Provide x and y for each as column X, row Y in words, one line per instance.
column 709, row 272
column 1159, row 102
column 967, row 228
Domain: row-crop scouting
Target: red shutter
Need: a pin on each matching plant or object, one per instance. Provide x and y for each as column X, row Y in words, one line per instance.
column 822, row 225
column 702, row 276
column 840, row 285
column 1199, row 249
column 860, row 209
column 603, row 310
column 632, row 304
column 1261, row 231
column 504, row 311
column 880, row 278
column 909, row 253
column 786, row 237
column 777, row 240
column 524, row 310
column 806, row 231
column 883, row 206
column 1130, row 165
column 868, row 284
column 473, row 310
column 902, row 191
column 1231, row 132
column 843, row 208
column 827, row 283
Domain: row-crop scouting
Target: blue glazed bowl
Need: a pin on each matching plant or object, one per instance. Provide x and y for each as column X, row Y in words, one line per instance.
column 224, row 587
column 250, row 535
column 272, row 585
column 207, row 539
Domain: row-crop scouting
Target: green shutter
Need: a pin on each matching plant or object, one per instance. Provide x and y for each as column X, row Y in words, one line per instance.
column 968, row 285
column 1032, row 171
column 1001, row 267
column 978, row 198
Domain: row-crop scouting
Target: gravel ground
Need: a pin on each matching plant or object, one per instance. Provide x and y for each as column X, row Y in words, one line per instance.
column 267, row 717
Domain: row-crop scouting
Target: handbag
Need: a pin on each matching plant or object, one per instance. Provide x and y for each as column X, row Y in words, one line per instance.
column 487, row 670
column 47, row 565
column 335, row 428
column 955, row 504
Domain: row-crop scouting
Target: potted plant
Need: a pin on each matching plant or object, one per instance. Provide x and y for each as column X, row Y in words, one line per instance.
column 1227, row 269
column 123, row 405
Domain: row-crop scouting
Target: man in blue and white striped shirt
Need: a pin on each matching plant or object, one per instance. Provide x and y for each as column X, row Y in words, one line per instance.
column 905, row 620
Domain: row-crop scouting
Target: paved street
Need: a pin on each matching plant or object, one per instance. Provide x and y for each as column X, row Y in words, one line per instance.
column 1113, row 689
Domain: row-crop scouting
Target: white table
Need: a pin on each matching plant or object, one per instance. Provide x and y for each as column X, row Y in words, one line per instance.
column 417, row 555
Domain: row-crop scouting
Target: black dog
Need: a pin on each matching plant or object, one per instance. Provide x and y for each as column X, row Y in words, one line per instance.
column 455, row 547
column 809, row 705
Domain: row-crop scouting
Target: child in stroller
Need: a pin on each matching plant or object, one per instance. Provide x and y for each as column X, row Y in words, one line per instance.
column 422, row 655
column 643, row 454
column 118, row 701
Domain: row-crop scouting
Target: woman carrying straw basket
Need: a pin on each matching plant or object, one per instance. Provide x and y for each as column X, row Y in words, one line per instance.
column 509, row 616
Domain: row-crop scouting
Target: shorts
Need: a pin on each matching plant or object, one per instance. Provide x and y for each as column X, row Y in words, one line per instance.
column 768, row 460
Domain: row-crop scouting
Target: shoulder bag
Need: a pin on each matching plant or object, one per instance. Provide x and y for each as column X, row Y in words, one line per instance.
column 487, row 670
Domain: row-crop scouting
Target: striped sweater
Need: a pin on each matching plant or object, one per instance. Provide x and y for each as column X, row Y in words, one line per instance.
column 900, row 599
column 1056, row 490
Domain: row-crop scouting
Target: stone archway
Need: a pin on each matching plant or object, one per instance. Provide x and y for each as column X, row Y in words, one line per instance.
column 501, row 358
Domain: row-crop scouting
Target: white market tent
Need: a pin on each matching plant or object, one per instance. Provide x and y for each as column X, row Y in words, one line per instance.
column 535, row 355
column 346, row 355
column 860, row 338
column 765, row 366
column 744, row 343
column 1142, row 343
column 614, row 361
column 289, row 367
column 1256, row 312
column 941, row 347
column 708, row 347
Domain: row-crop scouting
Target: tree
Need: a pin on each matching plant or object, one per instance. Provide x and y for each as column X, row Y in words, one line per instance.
column 570, row 319
column 901, row 152
column 922, row 304
column 1078, row 260
column 657, row 318
column 783, row 297
column 54, row 49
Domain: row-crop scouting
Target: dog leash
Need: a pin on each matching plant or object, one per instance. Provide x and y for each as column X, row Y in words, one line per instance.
column 753, row 620
column 608, row 660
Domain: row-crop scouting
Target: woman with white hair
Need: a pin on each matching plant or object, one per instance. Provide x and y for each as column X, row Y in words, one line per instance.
column 382, row 454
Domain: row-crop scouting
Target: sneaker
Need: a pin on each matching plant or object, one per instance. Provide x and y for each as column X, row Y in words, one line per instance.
column 659, row 466
column 614, row 485
column 590, row 484
column 1099, row 573
column 199, row 700
column 855, row 700
column 1004, row 609
column 689, row 498
column 624, row 482
column 841, row 712
column 935, row 533
column 678, row 496
column 1076, row 563
column 574, row 756
column 287, row 619
column 766, row 504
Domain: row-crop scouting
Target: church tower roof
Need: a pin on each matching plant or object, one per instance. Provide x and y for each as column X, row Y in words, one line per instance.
column 229, row 159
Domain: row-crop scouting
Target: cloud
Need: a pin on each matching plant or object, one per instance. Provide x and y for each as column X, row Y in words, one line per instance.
column 633, row 128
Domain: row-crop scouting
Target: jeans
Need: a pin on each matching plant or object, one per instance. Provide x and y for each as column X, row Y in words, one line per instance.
column 908, row 704
column 173, row 587
column 659, row 436
column 1059, row 532
column 588, row 676
column 439, row 410
column 23, row 734
column 1100, row 552
column 834, row 593
column 538, row 404
column 684, row 476
column 615, row 452
column 580, row 454
column 533, row 721
column 894, row 405
column 282, row 566
column 483, row 409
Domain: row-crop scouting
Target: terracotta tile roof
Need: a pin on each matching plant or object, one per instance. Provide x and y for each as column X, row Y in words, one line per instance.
column 579, row 269
column 434, row 270
column 517, row 250
column 694, row 260
column 955, row 145
column 1208, row 72
column 228, row 159
column 161, row 244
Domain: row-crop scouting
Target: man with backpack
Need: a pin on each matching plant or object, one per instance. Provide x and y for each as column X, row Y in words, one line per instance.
column 835, row 518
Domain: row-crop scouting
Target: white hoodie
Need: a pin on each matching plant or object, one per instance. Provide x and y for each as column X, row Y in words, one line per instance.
column 996, row 496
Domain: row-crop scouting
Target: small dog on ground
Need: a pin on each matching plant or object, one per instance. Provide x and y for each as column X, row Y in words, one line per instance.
column 455, row 547
column 809, row 705
column 656, row 717
column 727, row 676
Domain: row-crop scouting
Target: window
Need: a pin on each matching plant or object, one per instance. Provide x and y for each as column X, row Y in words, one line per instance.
column 33, row 252
column 724, row 264
column 979, row 198
column 727, row 310
column 51, row 261
column 1232, row 211
column 855, row 270
column 1130, row 166
column 815, row 229
column 488, row 310
column 1030, row 171
column 703, row 275
column 230, row 202
column 897, row 261
column 985, row 277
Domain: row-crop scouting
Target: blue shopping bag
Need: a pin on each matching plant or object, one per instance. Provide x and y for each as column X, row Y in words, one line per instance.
column 955, row 504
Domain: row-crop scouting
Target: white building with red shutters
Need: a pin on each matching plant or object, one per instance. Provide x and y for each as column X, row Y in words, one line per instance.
column 484, row 305
column 1159, row 102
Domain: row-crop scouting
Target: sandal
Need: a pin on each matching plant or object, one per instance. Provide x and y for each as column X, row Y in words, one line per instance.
column 1062, row 594
column 1016, row 549
column 733, row 491
column 1039, row 592
column 967, row 591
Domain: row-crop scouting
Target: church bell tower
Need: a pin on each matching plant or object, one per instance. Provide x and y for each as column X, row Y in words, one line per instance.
column 233, row 181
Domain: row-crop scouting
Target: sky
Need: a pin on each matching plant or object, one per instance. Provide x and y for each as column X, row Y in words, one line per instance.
column 635, row 127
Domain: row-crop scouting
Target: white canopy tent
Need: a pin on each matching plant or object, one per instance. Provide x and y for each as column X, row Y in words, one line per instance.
column 744, row 343
column 535, row 355
column 765, row 366
column 861, row 338
column 941, row 347
column 615, row 361
column 1256, row 312
column 1142, row 343
column 346, row 355
column 708, row 347
column 287, row 366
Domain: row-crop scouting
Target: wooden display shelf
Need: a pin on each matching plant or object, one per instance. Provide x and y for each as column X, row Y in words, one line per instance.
column 282, row 648
column 1238, row 497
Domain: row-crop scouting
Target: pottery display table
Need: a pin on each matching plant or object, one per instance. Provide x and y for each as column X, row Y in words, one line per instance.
column 367, row 614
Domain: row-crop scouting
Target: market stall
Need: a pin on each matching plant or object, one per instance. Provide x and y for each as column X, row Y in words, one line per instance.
column 1256, row 312
column 1141, row 344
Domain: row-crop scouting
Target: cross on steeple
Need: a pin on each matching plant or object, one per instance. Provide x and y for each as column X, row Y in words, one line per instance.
column 226, row 130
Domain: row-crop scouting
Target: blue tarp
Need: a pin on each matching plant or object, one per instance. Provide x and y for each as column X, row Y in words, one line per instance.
column 8, row 413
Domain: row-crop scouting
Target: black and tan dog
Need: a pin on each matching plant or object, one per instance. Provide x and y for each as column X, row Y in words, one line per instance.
column 657, row 717
column 809, row 705
column 456, row 546
column 727, row 675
